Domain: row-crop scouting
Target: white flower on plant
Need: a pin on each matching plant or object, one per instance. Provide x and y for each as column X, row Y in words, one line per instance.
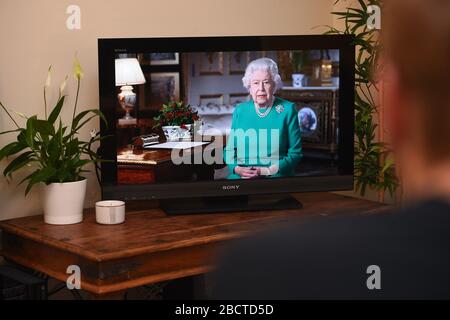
column 63, row 85
column 93, row 133
column 48, row 81
column 77, row 70
column 20, row 114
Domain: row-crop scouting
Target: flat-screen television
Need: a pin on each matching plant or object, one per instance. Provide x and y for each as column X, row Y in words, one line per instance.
column 226, row 123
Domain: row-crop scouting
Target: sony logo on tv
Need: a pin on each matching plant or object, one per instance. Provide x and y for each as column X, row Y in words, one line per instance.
column 231, row 187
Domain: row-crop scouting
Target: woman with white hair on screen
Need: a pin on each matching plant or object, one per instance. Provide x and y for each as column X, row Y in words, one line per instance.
column 265, row 137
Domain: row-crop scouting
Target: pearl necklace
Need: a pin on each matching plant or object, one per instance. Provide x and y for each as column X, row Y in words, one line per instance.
column 262, row 114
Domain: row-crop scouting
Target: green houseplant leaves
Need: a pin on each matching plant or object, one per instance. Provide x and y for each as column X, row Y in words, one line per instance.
column 373, row 167
column 53, row 149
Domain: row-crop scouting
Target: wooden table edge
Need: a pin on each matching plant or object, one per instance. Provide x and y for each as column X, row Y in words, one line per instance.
column 112, row 288
column 100, row 257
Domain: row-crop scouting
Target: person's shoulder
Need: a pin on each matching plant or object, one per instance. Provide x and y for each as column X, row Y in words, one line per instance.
column 324, row 257
column 295, row 258
column 240, row 107
column 433, row 213
column 436, row 206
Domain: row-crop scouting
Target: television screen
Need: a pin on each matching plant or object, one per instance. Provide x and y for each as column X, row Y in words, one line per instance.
column 266, row 112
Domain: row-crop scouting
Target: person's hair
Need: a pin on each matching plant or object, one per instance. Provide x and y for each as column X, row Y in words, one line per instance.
column 416, row 40
column 264, row 64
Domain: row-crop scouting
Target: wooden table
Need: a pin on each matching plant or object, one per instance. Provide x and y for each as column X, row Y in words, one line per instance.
column 149, row 247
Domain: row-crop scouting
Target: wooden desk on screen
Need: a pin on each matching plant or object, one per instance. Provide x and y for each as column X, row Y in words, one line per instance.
column 147, row 166
column 149, row 247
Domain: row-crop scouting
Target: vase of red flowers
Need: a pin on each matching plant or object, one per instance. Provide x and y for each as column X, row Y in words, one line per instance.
column 176, row 119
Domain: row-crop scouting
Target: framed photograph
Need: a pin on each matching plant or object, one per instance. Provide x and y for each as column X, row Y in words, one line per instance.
column 236, row 98
column 311, row 121
column 160, row 88
column 238, row 61
column 307, row 118
column 211, row 101
column 159, row 58
column 211, row 63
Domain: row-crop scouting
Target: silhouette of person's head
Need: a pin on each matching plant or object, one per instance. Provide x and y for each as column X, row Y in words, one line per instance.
column 416, row 72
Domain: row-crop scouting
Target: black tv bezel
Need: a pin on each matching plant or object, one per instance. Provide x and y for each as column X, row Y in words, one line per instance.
column 108, row 48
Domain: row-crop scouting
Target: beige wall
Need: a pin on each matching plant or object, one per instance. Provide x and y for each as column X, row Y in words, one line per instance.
column 33, row 36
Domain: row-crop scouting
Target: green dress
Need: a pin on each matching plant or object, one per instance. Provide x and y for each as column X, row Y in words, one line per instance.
column 264, row 141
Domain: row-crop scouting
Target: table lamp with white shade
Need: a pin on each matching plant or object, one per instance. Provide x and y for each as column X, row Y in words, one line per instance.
column 128, row 73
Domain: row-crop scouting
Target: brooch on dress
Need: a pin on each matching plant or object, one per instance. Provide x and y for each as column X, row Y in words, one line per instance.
column 279, row 108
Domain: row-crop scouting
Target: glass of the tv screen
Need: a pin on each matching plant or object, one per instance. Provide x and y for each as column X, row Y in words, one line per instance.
column 199, row 117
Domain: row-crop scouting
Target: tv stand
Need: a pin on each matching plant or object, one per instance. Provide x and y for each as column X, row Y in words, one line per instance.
column 230, row 203
column 151, row 248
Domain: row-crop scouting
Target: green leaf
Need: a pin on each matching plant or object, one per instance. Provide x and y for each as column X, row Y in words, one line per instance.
column 56, row 111
column 72, row 148
column 22, row 160
column 29, row 132
column 10, row 149
column 42, row 175
column 360, row 12
column 44, row 127
column 81, row 115
column 340, row 13
column 78, row 118
column 84, row 122
column 59, row 134
column 54, row 149
column 363, row 5
column 28, row 177
column 81, row 163
column 389, row 163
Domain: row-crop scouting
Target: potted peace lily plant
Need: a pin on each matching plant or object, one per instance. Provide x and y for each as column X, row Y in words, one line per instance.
column 55, row 153
column 176, row 120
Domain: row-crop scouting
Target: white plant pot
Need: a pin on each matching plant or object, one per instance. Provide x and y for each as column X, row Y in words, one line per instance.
column 172, row 133
column 297, row 80
column 64, row 202
column 186, row 134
